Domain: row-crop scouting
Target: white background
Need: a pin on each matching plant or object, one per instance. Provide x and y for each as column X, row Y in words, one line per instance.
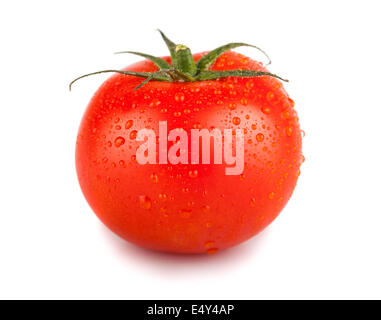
column 326, row 242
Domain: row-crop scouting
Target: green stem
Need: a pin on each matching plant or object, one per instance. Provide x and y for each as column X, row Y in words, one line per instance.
column 184, row 60
column 184, row 68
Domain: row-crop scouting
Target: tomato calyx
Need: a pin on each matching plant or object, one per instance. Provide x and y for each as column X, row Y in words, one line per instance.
column 184, row 68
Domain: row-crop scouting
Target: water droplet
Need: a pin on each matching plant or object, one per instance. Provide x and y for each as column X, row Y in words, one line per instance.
column 133, row 134
column 244, row 101
column 119, row 141
column 288, row 131
column 197, row 125
column 249, row 84
column 185, row 213
column 190, row 203
column 232, row 106
column 129, row 124
column 155, row 103
column 260, row 137
column 205, row 208
column 145, row 202
column 154, row 178
column 193, row 173
column 162, row 196
column 266, row 110
column 286, row 114
column 212, row 251
column 179, row 96
column 209, row 244
column 236, row 121
column 291, row 102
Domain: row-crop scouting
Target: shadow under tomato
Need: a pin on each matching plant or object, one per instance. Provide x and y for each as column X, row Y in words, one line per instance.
column 172, row 263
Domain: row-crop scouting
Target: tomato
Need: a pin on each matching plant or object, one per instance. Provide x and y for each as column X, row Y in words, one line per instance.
column 194, row 207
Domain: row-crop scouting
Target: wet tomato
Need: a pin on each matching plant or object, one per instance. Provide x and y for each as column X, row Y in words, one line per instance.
column 174, row 202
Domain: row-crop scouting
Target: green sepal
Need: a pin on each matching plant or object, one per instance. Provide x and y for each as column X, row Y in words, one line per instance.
column 206, row 61
column 152, row 76
column 171, row 46
column 159, row 62
column 212, row 75
column 186, row 77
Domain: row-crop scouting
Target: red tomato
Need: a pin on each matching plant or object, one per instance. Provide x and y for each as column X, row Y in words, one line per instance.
column 189, row 208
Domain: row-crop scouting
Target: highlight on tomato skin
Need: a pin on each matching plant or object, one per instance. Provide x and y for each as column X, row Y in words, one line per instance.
column 169, row 197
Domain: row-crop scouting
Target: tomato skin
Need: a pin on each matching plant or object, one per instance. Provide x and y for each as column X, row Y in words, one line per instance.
column 189, row 208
